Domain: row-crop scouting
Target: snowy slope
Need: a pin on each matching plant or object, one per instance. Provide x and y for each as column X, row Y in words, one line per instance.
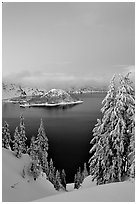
column 15, row 187
column 115, row 192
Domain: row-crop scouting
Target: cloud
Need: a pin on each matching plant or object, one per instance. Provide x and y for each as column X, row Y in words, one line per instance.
column 52, row 80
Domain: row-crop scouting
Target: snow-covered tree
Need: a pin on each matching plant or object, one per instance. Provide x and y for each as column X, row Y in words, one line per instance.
column 124, row 129
column 23, row 137
column 17, row 144
column 42, row 144
column 101, row 153
column 111, row 135
column 35, row 168
column 85, row 171
column 52, row 172
column 57, row 184
column 6, row 137
column 131, row 156
column 78, row 179
column 33, row 150
column 63, row 178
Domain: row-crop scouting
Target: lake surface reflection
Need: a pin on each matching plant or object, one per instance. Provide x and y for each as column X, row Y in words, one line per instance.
column 69, row 130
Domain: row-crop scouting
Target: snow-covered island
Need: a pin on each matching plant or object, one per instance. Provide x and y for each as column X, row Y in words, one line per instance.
column 52, row 98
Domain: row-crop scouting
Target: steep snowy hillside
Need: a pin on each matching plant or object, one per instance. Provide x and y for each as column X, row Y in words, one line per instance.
column 15, row 188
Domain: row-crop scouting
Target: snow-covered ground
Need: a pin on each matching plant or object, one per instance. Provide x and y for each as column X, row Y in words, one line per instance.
column 15, row 188
column 115, row 192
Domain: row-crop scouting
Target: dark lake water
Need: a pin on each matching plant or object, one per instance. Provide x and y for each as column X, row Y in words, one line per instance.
column 69, row 130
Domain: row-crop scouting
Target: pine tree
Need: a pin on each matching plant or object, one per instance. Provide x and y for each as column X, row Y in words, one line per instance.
column 131, row 156
column 23, row 137
column 124, row 129
column 102, row 148
column 125, row 108
column 77, row 179
column 57, row 184
column 33, row 150
column 110, row 143
column 35, row 168
column 6, row 138
column 42, row 144
column 17, row 144
column 85, row 171
column 52, row 172
column 63, row 178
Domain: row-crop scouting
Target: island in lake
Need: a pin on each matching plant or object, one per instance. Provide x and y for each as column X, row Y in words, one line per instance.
column 52, row 98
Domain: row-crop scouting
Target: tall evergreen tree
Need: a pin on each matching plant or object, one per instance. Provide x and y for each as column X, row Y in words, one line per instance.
column 109, row 161
column 125, row 113
column 42, row 144
column 17, row 144
column 131, row 156
column 101, row 152
column 23, row 137
column 6, row 137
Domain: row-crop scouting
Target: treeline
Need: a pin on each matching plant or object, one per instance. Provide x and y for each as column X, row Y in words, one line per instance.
column 38, row 151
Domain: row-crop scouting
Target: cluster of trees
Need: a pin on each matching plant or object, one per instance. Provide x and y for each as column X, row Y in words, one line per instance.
column 113, row 142
column 38, row 151
column 80, row 176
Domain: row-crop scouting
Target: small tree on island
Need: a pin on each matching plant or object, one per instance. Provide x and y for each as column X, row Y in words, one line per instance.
column 6, row 137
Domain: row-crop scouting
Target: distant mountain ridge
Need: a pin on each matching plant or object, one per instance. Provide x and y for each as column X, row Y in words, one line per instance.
column 35, row 97
column 13, row 90
column 10, row 91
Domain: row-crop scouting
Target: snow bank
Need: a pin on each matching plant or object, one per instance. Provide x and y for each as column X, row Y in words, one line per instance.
column 15, row 188
column 114, row 192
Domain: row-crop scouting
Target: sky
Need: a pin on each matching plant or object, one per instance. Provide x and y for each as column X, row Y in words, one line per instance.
column 60, row 45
